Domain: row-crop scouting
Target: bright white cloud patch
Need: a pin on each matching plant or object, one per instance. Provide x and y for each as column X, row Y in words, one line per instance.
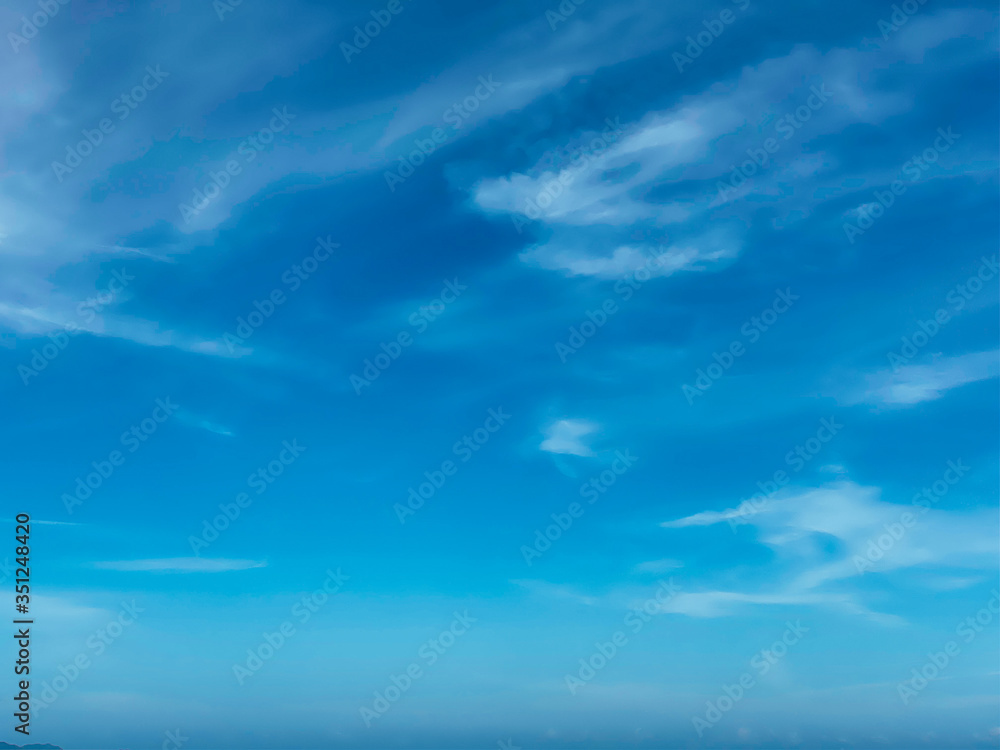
column 567, row 436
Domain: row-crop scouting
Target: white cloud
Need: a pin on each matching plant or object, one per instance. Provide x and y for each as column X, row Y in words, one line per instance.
column 700, row 253
column 530, row 62
column 658, row 566
column 704, row 518
column 623, row 260
column 57, row 314
column 798, row 524
column 548, row 590
column 202, row 423
column 953, row 583
column 181, row 565
column 861, row 211
column 666, row 167
column 218, row 429
column 913, row 384
column 594, row 195
column 833, row 469
column 566, row 436
column 50, row 607
column 708, row 604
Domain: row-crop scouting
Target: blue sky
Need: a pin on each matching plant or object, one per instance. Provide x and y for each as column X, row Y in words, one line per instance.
column 359, row 385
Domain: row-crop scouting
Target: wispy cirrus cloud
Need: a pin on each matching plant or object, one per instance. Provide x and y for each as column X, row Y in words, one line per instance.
column 704, row 518
column 547, row 590
column 203, row 423
column 658, row 566
column 795, row 523
column 914, row 384
column 664, row 172
column 43, row 523
column 181, row 565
